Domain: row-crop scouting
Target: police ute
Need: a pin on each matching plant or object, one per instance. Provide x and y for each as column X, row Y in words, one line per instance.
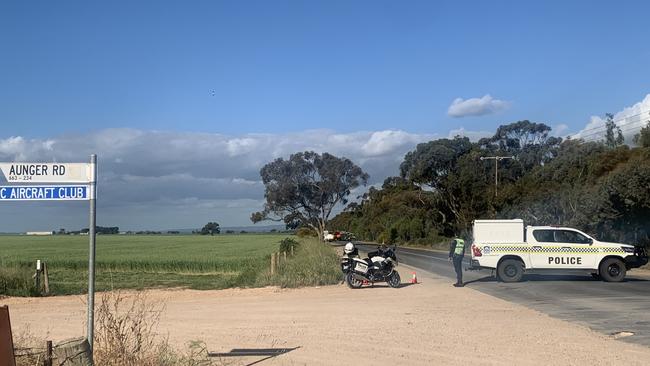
column 510, row 249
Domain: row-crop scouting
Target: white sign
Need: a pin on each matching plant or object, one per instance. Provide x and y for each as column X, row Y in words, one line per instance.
column 45, row 193
column 47, row 172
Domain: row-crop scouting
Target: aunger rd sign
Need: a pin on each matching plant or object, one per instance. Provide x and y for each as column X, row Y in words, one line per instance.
column 46, row 172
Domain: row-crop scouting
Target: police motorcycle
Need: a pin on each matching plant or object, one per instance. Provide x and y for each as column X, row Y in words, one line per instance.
column 349, row 253
column 378, row 267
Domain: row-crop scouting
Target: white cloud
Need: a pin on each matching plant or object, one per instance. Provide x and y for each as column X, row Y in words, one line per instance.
column 476, row 106
column 387, row 142
column 630, row 120
column 559, row 129
column 472, row 135
column 152, row 179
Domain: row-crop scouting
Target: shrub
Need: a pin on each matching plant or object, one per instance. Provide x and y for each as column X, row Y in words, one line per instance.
column 287, row 243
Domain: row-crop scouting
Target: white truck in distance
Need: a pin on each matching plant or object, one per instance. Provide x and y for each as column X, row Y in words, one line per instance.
column 506, row 246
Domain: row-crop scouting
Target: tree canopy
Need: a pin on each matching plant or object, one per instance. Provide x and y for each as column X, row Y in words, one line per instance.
column 304, row 189
column 210, row 228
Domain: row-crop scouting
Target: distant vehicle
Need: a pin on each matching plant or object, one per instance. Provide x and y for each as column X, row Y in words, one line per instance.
column 511, row 249
column 338, row 236
column 327, row 236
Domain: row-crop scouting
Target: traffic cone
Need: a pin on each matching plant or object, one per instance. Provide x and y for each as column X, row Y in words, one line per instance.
column 414, row 279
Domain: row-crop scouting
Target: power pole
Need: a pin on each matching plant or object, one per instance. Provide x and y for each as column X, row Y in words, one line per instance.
column 496, row 168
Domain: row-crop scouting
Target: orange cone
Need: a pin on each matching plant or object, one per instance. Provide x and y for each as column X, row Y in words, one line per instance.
column 414, row 279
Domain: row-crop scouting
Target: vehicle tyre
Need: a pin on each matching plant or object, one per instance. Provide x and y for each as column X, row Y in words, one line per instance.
column 352, row 281
column 510, row 270
column 394, row 280
column 612, row 270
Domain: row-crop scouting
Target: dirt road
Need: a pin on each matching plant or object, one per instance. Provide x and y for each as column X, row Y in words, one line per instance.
column 424, row 324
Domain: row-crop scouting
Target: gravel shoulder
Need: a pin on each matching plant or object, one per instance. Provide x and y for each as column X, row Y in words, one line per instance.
column 423, row 324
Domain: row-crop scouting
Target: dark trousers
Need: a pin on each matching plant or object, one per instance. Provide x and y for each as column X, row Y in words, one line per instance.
column 458, row 267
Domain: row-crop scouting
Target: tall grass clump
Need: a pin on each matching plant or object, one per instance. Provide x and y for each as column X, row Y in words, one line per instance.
column 314, row 264
column 17, row 281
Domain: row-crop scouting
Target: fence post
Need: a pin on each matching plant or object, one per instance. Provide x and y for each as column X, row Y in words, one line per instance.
column 272, row 264
column 284, row 254
column 292, row 250
column 48, row 356
column 37, row 277
column 46, row 279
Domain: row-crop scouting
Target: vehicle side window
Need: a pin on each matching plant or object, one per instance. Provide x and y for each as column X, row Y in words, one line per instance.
column 568, row 236
column 544, row 236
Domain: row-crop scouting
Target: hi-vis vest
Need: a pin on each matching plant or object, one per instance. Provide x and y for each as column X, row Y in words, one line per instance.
column 460, row 246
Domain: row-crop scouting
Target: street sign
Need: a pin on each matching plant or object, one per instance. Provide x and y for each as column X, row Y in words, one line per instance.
column 45, row 193
column 47, row 172
column 70, row 174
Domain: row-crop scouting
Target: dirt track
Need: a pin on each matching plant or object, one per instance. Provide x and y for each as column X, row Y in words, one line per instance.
column 424, row 324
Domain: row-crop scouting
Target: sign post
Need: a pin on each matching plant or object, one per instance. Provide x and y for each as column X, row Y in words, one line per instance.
column 91, row 251
column 75, row 182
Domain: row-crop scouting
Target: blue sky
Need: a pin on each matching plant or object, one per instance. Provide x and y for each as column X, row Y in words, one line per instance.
column 276, row 66
column 185, row 101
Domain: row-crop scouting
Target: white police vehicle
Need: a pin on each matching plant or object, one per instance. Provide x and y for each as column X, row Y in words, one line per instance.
column 506, row 246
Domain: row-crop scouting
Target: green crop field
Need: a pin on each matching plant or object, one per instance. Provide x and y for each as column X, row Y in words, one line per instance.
column 137, row 261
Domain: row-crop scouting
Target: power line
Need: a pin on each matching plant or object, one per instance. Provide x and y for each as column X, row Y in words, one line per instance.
column 496, row 168
column 600, row 129
column 600, row 133
column 616, row 121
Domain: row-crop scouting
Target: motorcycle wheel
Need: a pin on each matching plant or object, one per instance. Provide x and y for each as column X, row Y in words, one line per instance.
column 394, row 280
column 352, row 281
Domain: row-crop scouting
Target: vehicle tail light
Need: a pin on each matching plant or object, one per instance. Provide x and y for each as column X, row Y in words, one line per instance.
column 476, row 251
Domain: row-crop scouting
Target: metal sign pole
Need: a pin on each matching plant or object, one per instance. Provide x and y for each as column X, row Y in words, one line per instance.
column 91, row 252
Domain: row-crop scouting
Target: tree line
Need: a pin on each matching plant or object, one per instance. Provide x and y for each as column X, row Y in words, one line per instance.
column 602, row 187
column 443, row 185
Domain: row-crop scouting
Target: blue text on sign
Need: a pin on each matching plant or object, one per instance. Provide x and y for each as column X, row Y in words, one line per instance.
column 38, row 193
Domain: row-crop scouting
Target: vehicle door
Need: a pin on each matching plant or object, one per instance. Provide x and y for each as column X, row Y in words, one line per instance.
column 542, row 247
column 576, row 250
column 561, row 249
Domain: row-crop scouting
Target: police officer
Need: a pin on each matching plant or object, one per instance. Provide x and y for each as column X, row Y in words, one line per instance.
column 456, row 253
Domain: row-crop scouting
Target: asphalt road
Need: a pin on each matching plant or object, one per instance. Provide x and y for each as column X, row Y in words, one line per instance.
column 604, row 307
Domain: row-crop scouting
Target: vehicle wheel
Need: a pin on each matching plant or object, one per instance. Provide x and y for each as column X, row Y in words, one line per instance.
column 612, row 270
column 352, row 281
column 394, row 280
column 510, row 270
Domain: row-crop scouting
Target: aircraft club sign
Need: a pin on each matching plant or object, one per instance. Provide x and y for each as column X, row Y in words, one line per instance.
column 38, row 173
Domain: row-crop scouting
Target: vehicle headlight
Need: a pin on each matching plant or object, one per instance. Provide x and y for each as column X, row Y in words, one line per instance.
column 628, row 249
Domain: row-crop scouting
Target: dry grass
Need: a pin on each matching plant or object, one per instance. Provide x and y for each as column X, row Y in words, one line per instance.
column 29, row 349
column 125, row 335
column 126, row 330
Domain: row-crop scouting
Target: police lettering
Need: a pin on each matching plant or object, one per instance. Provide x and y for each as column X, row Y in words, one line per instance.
column 564, row 260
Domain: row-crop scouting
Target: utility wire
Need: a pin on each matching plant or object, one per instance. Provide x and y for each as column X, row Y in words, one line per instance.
column 599, row 134
column 601, row 129
column 619, row 120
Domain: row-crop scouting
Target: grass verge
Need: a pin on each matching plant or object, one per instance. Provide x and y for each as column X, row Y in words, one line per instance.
column 314, row 264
